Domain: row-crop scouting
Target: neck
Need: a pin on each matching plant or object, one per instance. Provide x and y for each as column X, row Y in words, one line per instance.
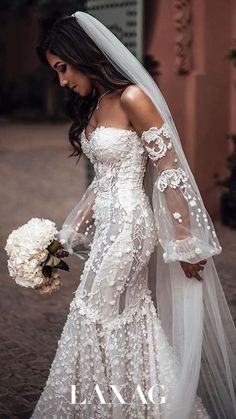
column 100, row 88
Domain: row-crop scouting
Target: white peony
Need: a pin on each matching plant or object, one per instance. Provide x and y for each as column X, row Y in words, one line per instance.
column 26, row 248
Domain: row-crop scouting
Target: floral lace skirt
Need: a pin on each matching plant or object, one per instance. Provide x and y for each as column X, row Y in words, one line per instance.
column 121, row 368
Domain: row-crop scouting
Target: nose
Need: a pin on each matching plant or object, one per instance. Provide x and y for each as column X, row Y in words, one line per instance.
column 63, row 82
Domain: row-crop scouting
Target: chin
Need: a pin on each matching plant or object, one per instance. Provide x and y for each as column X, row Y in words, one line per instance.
column 81, row 93
column 86, row 93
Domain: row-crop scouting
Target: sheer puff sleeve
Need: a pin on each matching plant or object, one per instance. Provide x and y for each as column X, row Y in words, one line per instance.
column 78, row 229
column 185, row 231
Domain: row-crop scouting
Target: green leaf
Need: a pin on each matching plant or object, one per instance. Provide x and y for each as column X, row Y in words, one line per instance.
column 53, row 261
column 63, row 265
column 54, row 246
column 47, row 271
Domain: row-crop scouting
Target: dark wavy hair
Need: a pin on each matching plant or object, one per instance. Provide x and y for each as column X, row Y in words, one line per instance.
column 71, row 43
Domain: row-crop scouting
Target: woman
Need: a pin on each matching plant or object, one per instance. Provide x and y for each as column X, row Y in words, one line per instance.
column 117, row 357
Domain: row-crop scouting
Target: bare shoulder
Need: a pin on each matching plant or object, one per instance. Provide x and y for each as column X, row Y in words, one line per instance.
column 140, row 109
column 133, row 95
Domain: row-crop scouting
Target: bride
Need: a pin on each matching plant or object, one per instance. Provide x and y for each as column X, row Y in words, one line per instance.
column 149, row 333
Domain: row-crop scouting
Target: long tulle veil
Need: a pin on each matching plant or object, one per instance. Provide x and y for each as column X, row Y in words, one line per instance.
column 195, row 315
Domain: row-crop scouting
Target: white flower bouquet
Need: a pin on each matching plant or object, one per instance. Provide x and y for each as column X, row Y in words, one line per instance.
column 34, row 256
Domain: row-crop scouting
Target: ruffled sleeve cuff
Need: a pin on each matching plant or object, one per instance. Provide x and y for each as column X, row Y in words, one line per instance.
column 191, row 250
column 75, row 242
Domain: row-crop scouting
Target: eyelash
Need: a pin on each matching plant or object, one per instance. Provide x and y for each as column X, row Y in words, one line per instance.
column 62, row 68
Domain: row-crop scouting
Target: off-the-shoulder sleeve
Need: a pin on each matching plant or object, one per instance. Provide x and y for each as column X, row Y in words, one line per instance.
column 78, row 228
column 185, row 231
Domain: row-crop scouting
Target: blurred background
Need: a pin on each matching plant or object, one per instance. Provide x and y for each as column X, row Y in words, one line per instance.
column 189, row 48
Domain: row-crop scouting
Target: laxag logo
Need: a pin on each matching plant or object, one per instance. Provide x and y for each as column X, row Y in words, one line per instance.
column 97, row 393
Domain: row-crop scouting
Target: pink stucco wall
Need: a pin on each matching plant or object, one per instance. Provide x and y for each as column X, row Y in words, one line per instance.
column 202, row 101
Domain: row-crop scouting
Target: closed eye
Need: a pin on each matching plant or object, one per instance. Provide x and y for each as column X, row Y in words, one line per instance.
column 61, row 68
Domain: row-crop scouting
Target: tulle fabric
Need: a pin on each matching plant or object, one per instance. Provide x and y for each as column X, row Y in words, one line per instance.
column 78, row 229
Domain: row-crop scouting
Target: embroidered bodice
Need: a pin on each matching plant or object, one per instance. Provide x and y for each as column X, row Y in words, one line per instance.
column 118, row 156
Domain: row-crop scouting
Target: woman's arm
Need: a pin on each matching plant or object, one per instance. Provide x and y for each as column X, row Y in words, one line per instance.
column 171, row 180
column 77, row 230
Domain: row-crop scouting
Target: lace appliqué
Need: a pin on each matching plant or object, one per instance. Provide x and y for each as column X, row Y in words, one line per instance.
column 160, row 145
column 173, row 178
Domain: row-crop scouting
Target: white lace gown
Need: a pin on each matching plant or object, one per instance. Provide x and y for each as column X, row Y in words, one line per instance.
column 112, row 335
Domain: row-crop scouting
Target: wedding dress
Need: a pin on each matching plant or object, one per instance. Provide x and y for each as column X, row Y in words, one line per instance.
column 114, row 338
column 113, row 335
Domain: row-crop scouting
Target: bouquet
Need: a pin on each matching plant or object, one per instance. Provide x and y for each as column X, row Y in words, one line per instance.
column 34, row 256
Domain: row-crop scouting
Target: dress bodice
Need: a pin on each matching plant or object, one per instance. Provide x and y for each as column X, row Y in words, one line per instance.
column 118, row 156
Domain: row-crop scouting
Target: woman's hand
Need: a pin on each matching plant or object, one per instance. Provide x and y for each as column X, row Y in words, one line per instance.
column 191, row 269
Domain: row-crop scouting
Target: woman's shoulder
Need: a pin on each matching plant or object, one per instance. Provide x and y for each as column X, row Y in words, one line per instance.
column 140, row 109
column 132, row 93
column 134, row 99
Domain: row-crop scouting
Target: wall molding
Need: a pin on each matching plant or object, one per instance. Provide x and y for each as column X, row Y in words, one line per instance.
column 183, row 40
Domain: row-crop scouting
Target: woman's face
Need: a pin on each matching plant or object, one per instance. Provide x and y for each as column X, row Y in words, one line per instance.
column 69, row 76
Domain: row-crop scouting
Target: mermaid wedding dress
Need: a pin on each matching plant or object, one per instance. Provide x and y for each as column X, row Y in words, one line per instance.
column 113, row 336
